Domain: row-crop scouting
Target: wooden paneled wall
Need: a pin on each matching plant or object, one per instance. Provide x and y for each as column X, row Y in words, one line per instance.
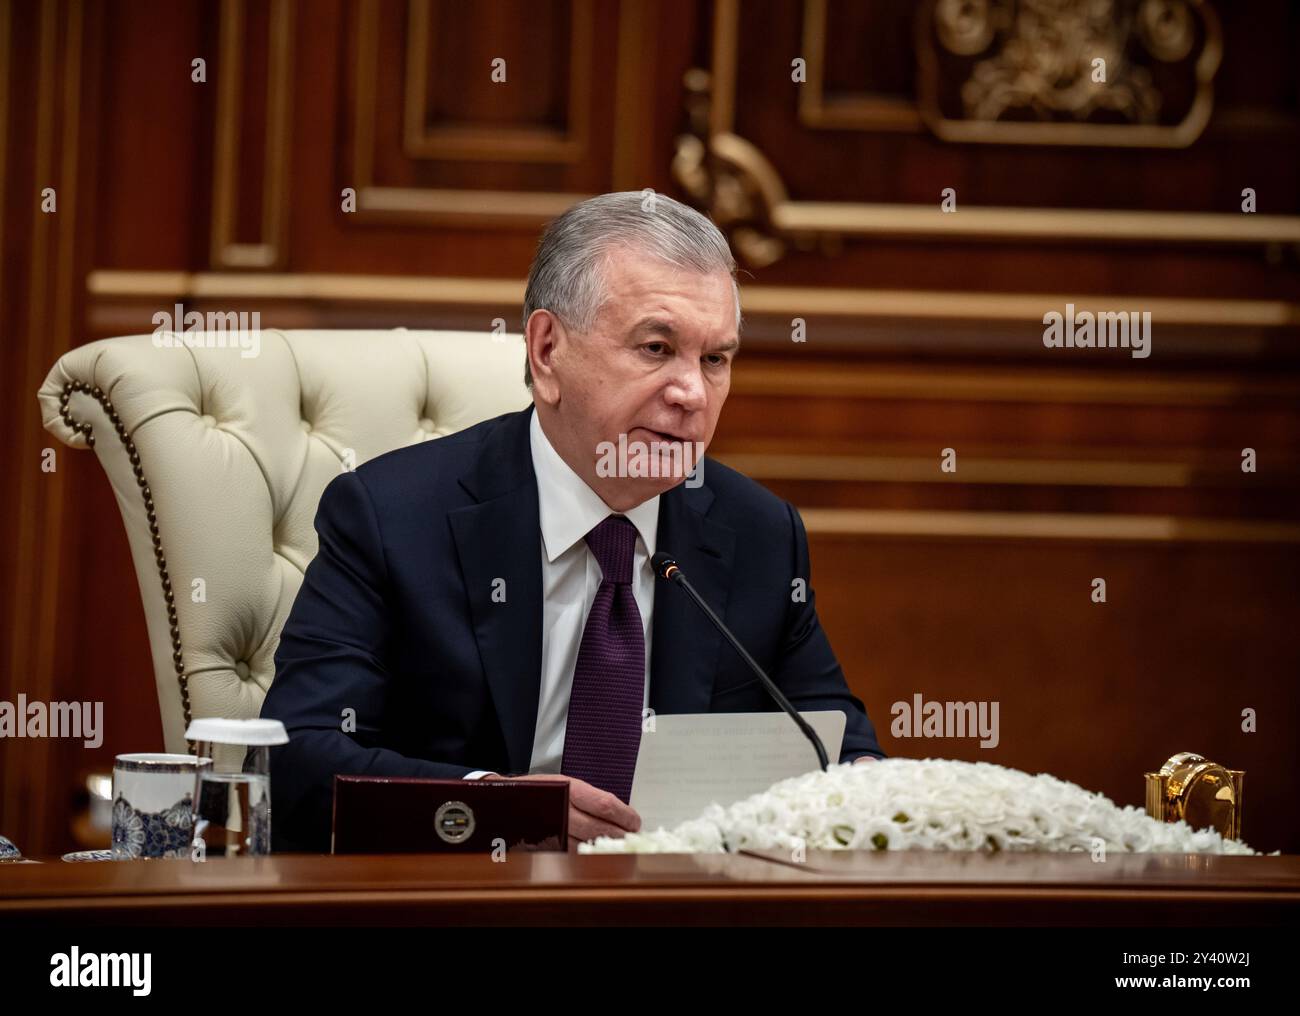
column 354, row 163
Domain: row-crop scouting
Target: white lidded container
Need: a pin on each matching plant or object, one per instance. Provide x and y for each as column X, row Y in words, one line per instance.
column 232, row 797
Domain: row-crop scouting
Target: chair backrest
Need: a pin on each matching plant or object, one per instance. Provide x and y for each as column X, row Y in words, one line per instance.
column 218, row 452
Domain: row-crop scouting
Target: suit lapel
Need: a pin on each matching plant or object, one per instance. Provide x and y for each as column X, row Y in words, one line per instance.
column 684, row 645
column 498, row 543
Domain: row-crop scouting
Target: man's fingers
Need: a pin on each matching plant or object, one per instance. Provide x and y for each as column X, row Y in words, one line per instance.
column 603, row 805
column 599, row 804
column 583, row 827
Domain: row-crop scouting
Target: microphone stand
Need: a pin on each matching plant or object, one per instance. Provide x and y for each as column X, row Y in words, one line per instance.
column 666, row 568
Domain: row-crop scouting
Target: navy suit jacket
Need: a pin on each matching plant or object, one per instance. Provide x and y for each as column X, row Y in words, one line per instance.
column 396, row 660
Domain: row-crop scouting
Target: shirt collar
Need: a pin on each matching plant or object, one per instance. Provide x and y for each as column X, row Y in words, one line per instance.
column 569, row 509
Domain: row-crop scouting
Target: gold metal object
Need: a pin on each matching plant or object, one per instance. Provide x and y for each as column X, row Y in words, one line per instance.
column 1191, row 788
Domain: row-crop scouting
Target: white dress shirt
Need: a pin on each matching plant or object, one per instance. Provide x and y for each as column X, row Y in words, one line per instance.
column 569, row 510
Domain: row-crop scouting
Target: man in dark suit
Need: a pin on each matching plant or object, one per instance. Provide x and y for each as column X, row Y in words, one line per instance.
column 484, row 603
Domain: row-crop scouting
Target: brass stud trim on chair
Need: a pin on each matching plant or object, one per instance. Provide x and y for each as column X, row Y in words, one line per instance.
column 133, row 455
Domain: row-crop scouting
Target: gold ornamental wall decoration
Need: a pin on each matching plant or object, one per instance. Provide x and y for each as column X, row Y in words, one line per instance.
column 1134, row 73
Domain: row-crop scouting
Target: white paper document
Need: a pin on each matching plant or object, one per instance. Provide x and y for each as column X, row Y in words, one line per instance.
column 693, row 760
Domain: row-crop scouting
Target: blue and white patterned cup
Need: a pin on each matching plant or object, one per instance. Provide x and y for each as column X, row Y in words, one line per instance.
column 153, row 796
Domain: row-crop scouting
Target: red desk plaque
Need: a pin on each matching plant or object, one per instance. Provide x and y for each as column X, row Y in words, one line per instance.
column 402, row 815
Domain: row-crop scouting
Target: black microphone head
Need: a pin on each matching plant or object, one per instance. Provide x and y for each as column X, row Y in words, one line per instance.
column 662, row 563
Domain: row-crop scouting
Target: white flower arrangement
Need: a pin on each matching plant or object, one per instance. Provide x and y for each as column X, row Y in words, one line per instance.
column 923, row 804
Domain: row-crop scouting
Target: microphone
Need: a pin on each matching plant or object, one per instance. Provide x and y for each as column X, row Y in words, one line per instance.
column 666, row 568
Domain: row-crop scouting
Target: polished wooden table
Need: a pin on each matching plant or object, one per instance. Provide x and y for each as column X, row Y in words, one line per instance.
column 828, row 888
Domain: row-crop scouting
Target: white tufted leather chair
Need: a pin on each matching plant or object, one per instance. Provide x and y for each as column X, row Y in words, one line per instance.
column 218, row 460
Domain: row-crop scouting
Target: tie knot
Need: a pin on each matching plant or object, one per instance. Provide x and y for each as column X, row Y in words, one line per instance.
column 612, row 542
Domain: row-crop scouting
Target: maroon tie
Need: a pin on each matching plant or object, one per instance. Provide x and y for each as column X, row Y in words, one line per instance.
column 603, row 733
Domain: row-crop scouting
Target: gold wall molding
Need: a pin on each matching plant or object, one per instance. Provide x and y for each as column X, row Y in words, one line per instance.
column 776, row 301
column 931, row 305
column 1041, row 526
column 1072, row 472
column 112, row 283
column 1019, row 385
column 501, row 209
column 497, row 143
column 1051, row 225
column 268, row 252
column 947, row 305
column 742, row 190
column 109, row 288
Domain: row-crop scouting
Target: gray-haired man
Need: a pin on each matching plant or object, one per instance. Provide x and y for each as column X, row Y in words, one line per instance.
column 631, row 320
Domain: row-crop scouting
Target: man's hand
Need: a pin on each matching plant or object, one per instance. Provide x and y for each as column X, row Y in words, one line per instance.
column 864, row 758
column 592, row 812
